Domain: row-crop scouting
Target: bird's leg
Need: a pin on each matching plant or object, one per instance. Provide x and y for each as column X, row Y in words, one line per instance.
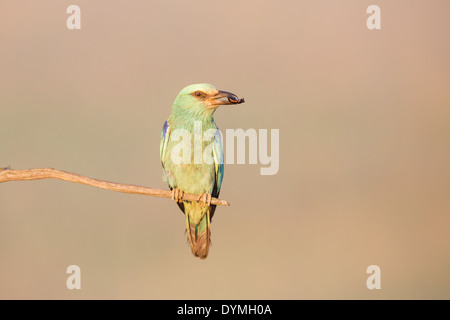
column 177, row 195
column 205, row 199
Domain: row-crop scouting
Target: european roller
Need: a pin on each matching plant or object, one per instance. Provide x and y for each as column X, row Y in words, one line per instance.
column 192, row 112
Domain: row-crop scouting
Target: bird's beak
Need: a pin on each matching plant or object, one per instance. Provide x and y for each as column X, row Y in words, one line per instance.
column 224, row 97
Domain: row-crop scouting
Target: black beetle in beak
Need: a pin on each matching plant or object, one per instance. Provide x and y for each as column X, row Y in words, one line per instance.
column 224, row 97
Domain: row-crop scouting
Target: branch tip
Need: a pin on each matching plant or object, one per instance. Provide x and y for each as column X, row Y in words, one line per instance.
column 7, row 174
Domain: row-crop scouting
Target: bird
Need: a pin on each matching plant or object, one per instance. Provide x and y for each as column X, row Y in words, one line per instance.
column 195, row 106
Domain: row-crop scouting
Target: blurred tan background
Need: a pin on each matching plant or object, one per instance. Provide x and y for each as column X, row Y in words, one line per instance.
column 364, row 148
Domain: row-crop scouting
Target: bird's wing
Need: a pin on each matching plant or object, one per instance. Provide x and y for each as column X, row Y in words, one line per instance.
column 164, row 139
column 165, row 136
column 219, row 168
column 218, row 161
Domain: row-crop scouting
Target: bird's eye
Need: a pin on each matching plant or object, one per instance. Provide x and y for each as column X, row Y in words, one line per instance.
column 198, row 93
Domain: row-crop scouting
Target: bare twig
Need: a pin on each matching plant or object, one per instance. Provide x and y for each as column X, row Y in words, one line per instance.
column 8, row 174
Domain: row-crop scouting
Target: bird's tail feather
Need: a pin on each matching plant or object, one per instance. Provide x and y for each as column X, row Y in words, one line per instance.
column 199, row 236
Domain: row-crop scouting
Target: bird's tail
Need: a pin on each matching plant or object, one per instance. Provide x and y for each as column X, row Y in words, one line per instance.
column 199, row 235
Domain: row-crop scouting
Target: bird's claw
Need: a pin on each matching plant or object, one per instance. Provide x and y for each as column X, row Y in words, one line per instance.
column 205, row 199
column 177, row 195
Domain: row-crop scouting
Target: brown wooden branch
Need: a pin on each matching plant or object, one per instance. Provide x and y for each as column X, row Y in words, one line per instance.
column 8, row 174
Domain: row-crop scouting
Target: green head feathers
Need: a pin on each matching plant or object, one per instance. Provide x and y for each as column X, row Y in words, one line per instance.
column 199, row 101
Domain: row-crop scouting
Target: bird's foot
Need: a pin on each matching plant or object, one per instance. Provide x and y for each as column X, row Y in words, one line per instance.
column 177, row 195
column 205, row 199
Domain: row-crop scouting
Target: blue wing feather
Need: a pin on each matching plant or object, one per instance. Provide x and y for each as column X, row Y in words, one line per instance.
column 166, row 125
column 162, row 149
column 163, row 140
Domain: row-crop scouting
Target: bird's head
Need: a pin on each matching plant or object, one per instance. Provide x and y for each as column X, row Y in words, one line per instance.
column 202, row 100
